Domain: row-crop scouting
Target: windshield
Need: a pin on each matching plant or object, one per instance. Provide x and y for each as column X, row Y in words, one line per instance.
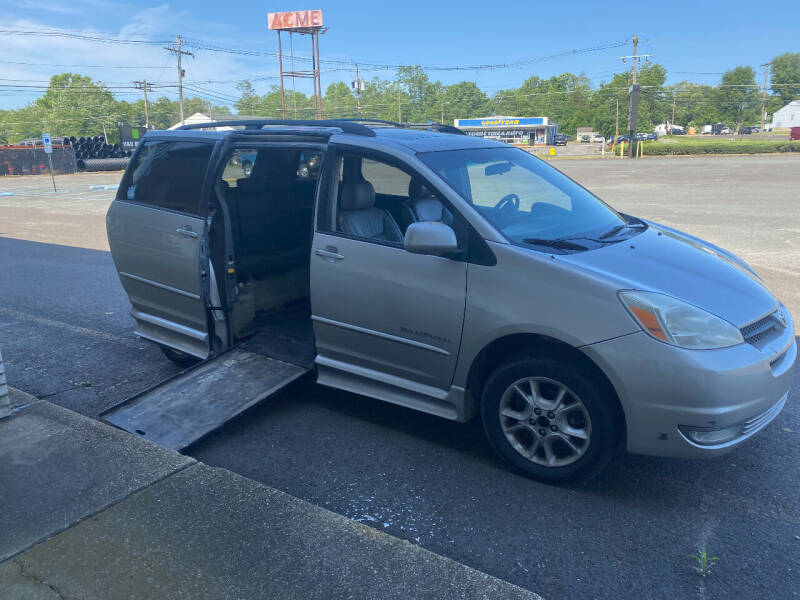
column 529, row 202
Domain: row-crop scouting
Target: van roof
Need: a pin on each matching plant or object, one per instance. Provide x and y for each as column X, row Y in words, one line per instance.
column 424, row 137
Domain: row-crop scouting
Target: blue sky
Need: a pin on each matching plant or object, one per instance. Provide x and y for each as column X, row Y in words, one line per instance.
column 693, row 40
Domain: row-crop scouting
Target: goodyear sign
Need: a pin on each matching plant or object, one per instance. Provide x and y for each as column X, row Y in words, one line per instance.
column 500, row 122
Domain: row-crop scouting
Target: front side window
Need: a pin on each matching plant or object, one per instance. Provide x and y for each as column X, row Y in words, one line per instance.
column 169, row 175
column 377, row 200
column 528, row 201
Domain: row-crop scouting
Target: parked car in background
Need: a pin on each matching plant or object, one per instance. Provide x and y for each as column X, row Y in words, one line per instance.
column 585, row 139
column 726, row 131
column 559, row 139
column 794, row 133
column 618, row 139
column 708, row 129
column 599, row 139
column 747, row 130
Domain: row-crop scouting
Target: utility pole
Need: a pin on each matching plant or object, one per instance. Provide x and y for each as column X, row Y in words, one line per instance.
column 634, row 107
column 179, row 53
column 357, row 85
column 399, row 112
column 145, row 87
column 280, row 62
column 672, row 123
column 616, row 128
column 764, row 98
column 442, row 121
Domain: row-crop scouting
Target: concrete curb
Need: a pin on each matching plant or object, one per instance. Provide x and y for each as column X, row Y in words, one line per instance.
column 120, row 517
column 5, row 398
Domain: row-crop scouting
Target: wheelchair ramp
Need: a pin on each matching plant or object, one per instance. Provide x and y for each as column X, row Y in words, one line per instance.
column 181, row 410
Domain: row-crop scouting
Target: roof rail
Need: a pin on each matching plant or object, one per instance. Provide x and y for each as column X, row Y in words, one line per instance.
column 433, row 126
column 430, row 125
column 343, row 124
column 375, row 121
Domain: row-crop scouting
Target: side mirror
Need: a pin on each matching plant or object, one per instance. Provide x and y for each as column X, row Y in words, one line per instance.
column 430, row 237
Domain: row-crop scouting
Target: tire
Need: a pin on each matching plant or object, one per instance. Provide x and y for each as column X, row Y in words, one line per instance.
column 179, row 358
column 522, row 440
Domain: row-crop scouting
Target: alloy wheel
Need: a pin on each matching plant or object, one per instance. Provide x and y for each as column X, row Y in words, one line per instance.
column 545, row 421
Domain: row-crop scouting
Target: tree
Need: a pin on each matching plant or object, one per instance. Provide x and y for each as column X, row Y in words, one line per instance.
column 463, row 100
column 339, row 101
column 695, row 104
column 738, row 98
column 76, row 104
column 422, row 94
column 248, row 101
column 785, row 77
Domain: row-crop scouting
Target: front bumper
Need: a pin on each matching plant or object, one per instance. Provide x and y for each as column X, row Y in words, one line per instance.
column 668, row 392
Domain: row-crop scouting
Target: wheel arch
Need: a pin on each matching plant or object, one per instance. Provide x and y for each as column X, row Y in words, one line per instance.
column 500, row 349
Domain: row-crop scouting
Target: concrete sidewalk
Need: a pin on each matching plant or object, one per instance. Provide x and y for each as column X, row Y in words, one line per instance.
column 88, row 511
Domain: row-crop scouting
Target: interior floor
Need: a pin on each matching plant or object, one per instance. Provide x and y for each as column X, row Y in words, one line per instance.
column 285, row 334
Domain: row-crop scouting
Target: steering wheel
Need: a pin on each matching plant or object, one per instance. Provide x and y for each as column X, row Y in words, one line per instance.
column 508, row 202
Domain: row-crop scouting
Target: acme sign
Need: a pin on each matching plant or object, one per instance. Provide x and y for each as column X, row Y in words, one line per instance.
column 296, row 19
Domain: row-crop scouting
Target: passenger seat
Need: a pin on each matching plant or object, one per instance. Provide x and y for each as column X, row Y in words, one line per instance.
column 428, row 208
column 359, row 216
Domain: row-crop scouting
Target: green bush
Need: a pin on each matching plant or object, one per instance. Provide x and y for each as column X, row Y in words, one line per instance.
column 721, row 147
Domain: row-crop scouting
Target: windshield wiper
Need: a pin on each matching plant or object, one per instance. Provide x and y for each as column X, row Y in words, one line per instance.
column 557, row 244
column 614, row 231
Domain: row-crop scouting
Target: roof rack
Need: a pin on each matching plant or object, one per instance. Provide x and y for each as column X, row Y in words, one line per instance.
column 433, row 126
column 343, row 124
column 430, row 125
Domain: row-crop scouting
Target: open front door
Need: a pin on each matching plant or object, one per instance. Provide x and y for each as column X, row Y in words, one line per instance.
column 156, row 232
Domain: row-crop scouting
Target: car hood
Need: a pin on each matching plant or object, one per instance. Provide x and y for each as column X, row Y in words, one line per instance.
column 665, row 260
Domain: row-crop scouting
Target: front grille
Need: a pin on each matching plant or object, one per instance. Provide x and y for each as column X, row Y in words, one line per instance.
column 755, row 332
column 759, row 421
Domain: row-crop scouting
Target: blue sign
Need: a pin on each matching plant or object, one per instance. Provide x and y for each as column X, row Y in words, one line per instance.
column 500, row 122
column 48, row 148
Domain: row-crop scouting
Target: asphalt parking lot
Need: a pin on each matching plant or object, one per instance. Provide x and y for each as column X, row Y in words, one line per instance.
column 67, row 336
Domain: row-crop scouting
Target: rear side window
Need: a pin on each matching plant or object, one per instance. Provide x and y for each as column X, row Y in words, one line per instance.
column 240, row 165
column 169, row 175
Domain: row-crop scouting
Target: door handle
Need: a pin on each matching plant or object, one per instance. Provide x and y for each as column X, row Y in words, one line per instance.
column 186, row 232
column 331, row 254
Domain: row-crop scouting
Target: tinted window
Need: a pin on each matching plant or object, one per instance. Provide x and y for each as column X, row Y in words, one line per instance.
column 169, row 175
column 240, row 165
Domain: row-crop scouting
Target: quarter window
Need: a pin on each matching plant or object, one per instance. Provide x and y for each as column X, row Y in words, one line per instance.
column 169, row 175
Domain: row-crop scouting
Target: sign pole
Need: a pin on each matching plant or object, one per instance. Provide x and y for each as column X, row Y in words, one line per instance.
column 48, row 149
column 53, row 177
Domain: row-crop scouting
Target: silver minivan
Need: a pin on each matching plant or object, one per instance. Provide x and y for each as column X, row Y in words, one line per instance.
column 454, row 275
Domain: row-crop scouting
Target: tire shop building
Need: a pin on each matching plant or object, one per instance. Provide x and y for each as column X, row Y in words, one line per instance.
column 511, row 130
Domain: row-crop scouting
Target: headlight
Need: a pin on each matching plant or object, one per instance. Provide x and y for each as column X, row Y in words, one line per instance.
column 679, row 323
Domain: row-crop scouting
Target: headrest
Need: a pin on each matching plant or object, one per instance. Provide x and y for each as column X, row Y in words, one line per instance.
column 427, row 209
column 416, row 189
column 357, row 195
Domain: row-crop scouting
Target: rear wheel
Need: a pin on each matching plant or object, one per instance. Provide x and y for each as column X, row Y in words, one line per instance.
column 549, row 419
column 182, row 359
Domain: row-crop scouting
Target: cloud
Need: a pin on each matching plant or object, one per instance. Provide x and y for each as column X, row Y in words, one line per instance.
column 118, row 65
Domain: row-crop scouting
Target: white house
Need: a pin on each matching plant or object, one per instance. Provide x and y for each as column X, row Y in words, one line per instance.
column 788, row 116
column 200, row 118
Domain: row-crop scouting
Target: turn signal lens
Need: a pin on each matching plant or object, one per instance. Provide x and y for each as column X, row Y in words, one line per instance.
column 679, row 323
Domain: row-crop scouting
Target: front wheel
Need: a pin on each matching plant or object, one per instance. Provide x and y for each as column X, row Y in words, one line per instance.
column 182, row 359
column 549, row 420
